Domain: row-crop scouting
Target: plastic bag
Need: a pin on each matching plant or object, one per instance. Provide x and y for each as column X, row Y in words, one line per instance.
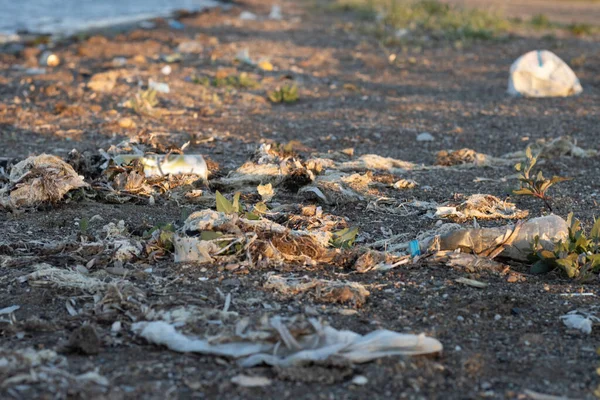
column 541, row 73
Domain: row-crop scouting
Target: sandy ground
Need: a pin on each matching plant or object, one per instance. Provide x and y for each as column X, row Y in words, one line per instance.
column 499, row 341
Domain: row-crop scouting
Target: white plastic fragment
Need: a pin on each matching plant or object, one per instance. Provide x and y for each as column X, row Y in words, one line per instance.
column 160, row 87
column 321, row 345
column 541, row 73
column 166, row 70
column 248, row 16
column 38, row 179
column 9, row 310
column 159, row 165
column 425, row 137
column 275, row 12
column 360, row 380
column 251, row 381
column 579, row 320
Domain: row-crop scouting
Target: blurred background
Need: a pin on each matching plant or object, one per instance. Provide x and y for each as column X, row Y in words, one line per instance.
column 69, row 16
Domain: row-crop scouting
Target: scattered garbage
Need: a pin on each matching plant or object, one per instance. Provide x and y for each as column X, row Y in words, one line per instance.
column 481, row 207
column 9, row 310
column 251, row 381
column 580, row 320
column 277, row 343
column 190, row 46
column 472, row 282
column 209, row 234
column 541, row 73
column 49, row 59
column 425, row 137
column 23, row 367
column 159, row 86
column 514, row 242
column 160, row 165
column 174, row 24
column 321, row 290
column 39, row 179
column 275, row 12
column 248, row 16
column 166, row 70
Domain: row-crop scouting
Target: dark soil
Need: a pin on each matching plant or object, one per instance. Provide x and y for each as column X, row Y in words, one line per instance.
column 498, row 341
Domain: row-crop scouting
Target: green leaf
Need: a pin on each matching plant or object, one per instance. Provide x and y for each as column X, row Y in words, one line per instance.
column 236, row 206
column 260, row 208
column 84, row 225
column 345, row 238
column 518, row 166
column 557, row 179
column 251, row 216
column 210, row 235
column 223, row 205
column 541, row 267
column 595, row 234
column 523, row 191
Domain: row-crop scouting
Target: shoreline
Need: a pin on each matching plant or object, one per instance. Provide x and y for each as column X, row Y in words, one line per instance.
column 58, row 31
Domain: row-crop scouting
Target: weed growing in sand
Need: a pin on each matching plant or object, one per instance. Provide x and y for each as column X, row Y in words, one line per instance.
column 345, row 238
column 241, row 81
column 534, row 184
column 144, row 102
column 284, row 94
column 578, row 256
column 236, row 207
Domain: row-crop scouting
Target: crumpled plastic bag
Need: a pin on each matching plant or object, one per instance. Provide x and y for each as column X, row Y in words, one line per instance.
column 39, row 179
column 541, row 73
column 291, row 347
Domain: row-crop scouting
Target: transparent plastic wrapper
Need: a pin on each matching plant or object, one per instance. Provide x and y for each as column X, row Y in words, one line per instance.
column 158, row 164
column 541, row 73
column 550, row 229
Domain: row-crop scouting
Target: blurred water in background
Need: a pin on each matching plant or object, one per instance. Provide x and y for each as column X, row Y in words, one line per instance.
column 70, row 16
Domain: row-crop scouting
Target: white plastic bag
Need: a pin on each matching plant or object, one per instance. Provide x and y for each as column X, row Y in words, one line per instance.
column 541, row 73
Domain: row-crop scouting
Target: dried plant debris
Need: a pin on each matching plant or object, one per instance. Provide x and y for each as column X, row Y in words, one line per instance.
column 209, row 235
column 27, row 367
column 291, row 342
column 39, row 179
column 482, row 207
column 466, row 157
column 269, row 165
column 46, row 275
column 321, row 290
column 553, row 148
column 546, row 148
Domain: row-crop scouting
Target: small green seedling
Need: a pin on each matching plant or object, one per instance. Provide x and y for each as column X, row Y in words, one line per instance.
column 236, row 207
column 143, row 102
column 578, row 256
column 284, row 94
column 345, row 238
column 534, row 184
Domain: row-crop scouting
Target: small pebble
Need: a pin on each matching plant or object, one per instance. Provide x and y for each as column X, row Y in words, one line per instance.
column 425, row 137
column 360, row 380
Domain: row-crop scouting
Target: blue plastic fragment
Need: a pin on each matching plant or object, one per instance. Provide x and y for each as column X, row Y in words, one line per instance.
column 414, row 248
column 176, row 24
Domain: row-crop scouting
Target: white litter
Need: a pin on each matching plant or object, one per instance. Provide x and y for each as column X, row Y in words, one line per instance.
column 159, row 165
column 251, row 381
column 321, row 343
column 166, row 70
column 8, row 310
column 159, row 86
column 425, row 137
column 360, row 380
column 541, row 73
column 248, row 16
column 579, row 320
column 275, row 12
